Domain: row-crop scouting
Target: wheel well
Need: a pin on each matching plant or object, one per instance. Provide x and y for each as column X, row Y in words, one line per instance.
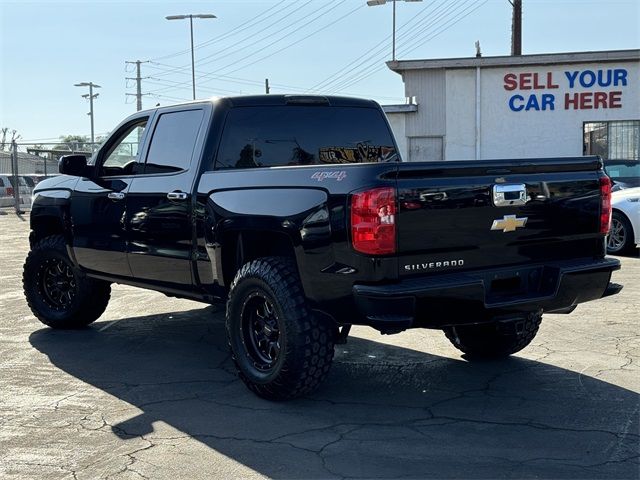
column 244, row 246
column 45, row 226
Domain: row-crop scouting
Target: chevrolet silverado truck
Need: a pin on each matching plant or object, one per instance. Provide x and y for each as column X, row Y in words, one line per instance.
column 298, row 214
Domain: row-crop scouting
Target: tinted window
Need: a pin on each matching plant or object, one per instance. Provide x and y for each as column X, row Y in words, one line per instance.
column 173, row 141
column 1, row 183
column 303, row 135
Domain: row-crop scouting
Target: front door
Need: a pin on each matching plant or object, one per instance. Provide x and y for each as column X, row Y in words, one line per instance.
column 98, row 207
column 159, row 202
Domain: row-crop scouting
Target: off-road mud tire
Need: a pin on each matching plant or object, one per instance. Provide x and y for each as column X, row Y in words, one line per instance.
column 490, row 341
column 90, row 296
column 306, row 341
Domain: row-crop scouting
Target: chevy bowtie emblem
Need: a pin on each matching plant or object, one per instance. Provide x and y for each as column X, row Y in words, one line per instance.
column 509, row 223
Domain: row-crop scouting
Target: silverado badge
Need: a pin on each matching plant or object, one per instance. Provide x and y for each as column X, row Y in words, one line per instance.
column 509, row 223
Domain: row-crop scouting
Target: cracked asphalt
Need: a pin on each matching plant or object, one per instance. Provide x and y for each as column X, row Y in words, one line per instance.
column 148, row 391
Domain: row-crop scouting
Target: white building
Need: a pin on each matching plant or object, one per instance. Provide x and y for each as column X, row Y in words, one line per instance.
column 547, row 105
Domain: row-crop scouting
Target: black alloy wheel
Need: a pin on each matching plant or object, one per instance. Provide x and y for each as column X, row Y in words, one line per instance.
column 57, row 283
column 261, row 331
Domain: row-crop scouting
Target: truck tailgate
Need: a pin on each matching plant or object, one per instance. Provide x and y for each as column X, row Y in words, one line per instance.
column 468, row 215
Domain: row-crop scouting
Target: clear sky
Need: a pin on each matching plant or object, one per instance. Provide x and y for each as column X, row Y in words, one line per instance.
column 320, row 46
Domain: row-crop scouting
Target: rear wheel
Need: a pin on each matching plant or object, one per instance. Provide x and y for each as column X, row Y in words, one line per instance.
column 491, row 341
column 621, row 236
column 280, row 348
column 59, row 294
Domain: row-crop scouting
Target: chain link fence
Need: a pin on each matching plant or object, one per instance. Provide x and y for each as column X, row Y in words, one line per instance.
column 23, row 166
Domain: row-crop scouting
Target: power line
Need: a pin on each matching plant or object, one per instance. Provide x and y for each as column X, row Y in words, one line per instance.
column 222, row 37
column 372, row 53
column 214, row 75
column 296, row 42
column 375, row 60
column 232, row 32
column 415, row 46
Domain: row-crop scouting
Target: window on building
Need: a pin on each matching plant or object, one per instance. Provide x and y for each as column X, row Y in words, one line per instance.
column 618, row 140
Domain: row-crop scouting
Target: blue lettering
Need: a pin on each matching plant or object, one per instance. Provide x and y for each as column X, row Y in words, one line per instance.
column 601, row 80
column 620, row 75
column 532, row 103
column 590, row 82
column 512, row 104
column 548, row 100
column 571, row 76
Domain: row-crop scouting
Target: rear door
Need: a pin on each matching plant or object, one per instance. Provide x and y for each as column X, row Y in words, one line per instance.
column 467, row 215
column 159, row 202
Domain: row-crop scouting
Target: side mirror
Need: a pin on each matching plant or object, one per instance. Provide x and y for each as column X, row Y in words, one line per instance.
column 75, row 165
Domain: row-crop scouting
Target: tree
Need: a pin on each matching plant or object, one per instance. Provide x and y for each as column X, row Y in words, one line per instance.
column 73, row 143
column 3, row 138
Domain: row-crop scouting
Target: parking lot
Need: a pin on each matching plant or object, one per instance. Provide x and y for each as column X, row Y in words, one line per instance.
column 149, row 391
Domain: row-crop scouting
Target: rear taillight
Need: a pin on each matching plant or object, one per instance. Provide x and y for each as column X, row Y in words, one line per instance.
column 373, row 221
column 9, row 191
column 605, row 204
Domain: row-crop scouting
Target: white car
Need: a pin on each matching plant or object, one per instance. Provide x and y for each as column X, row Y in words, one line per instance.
column 625, row 222
column 7, row 190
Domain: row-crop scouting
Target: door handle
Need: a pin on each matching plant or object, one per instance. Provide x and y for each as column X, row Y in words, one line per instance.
column 115, row 195
column 177, row 196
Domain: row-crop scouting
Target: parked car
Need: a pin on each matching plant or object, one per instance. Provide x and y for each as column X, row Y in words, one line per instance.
column 624, row 173
column 7, row 190
column 296, row 213
column 625, row 223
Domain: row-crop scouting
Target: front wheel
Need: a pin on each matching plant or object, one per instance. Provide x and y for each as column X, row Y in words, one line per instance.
column 58, row 294
column 490, row 341
column 280, row 348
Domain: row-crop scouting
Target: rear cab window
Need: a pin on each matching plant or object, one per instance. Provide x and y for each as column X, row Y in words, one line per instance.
column 271, row 136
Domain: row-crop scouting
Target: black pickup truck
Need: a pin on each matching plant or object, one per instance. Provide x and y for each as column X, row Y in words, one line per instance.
column 298, row 213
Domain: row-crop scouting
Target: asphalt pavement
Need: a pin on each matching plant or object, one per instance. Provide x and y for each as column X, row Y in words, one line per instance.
column 148, row 391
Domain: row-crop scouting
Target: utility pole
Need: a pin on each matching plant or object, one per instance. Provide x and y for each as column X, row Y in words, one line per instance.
column 90, row 96
column 138, row 80
column 266, row 86
column 16, row 182
column 516, row 27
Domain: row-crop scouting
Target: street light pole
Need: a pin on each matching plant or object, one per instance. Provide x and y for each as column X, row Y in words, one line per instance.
column 193, row 63
column 90, row 96
column 373, row 3
column 393, row 48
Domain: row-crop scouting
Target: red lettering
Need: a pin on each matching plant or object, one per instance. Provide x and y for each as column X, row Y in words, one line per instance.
column 600, row 100
column 510, row 82
column 615, row 99
column 550, row 83
column 571, row 100
column 536, row 84
column 585, row 101
column 525, row 81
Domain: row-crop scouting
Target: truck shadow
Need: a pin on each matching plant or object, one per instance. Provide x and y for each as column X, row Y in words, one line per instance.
column 384, row 412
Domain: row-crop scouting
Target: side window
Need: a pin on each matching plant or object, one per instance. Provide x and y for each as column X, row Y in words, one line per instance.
column 273, row 136
column 121, row 158
column 1, row 183
column 173, row 141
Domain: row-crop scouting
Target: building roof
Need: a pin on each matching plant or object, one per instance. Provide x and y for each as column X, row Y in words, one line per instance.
column 400, row 66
